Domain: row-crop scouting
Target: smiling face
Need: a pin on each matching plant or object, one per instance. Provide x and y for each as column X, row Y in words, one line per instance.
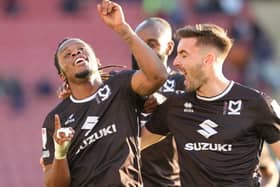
column 76, row 60
column 190, row 61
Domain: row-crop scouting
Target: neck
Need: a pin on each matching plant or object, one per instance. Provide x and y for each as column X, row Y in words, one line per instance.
column 215, row 84
column 82, row 90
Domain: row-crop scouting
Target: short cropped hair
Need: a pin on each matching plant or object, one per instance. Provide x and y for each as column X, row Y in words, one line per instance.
column 207, row 34
column 152, row 21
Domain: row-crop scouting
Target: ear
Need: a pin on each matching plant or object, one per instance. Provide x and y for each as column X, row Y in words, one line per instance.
column 170, row 47
column 210, row 58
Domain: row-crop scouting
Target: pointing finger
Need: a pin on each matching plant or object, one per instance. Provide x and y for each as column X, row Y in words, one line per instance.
column 57, row 124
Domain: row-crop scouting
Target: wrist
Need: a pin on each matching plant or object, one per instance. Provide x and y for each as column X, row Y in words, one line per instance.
column 125, row 31
column 61, row 151
column 60, row 156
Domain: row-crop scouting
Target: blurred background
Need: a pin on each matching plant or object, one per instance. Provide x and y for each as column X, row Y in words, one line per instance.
column 31, row 29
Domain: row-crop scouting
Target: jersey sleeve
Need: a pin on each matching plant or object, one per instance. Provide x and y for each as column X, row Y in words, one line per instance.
column 268, row 119
column 158, row 121
column 47, row 140
column 123, row 81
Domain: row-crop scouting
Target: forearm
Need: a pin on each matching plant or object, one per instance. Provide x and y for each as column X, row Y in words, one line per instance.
column 57, row 174
column 148, row 62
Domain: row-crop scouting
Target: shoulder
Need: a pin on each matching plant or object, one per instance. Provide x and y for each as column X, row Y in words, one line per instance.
column 259, row 99
column 246, row 92
column 120, row 79
column 178, row 96
column 58, row 109
column 122, row 75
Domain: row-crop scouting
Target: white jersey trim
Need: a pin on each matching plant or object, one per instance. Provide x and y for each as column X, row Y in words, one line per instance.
column 83, row 100
column 226, row 91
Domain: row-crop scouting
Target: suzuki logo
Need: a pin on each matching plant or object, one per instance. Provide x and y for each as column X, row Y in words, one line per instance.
column 207, row 128
column 90, row 123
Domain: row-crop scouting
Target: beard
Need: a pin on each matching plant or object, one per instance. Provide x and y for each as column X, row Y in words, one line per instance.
column 196, row 78
column 84, row 74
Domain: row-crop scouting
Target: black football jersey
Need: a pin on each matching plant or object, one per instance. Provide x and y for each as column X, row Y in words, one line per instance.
column 219, row 139
column 160, row 161
column 105, row 149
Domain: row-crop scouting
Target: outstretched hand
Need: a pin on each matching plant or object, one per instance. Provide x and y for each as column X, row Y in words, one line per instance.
column 61, row 134
column 111, row 13
column 62, row 138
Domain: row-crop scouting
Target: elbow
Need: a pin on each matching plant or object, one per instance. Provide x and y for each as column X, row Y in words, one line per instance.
column 155, row 83
column 160, row 79
column 163, row 77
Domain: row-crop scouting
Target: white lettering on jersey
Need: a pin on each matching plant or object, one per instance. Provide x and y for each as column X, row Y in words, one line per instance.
column 159, row 97
column 90, row 123
column 44, row 138
column 234, row 107
column 104, row 92
column 70, row 119
column 207, row 128
column 169, row 86
column 46, row 154
column 202, row 146
column 97, row 136
column 188, row 107
column 276, row 108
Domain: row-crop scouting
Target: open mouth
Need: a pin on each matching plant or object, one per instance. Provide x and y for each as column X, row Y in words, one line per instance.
column 80, row 61
column 182, row 71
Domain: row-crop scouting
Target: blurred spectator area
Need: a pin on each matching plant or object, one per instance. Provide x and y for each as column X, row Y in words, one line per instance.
column 29, row 37
column 28, row 41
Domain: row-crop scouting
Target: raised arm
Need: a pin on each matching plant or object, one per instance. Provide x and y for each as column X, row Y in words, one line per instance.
column 152, row 73
column 57, row 174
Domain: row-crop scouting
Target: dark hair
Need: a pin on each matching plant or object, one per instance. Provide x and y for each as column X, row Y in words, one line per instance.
column 207, row 34
column 56, row 64
column 104, row 74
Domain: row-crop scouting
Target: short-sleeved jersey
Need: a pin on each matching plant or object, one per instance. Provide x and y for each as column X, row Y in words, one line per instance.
column 105, row 147
column 219, row 139
column 160, row 166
